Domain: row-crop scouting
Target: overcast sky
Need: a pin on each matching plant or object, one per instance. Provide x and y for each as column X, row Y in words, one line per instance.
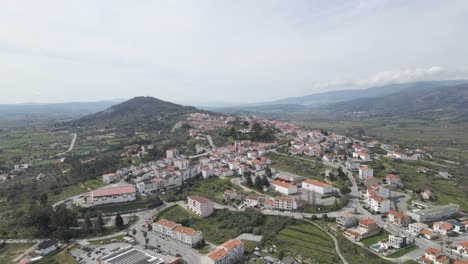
column 230, row 51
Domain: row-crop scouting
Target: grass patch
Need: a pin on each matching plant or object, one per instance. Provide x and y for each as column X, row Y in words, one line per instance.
column 223, row 225
column 79, row 189
column 356, row 254
column 60, row 257
column 308, row 169
column 10, row 252
column 107, row 240
column 375, row 239
column 249, row 246
column 402, row 252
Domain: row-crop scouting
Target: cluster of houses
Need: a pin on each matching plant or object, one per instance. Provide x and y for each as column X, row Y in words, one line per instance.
column 231, row 251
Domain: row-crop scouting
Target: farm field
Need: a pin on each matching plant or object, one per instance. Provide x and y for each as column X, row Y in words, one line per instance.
column 9, row 252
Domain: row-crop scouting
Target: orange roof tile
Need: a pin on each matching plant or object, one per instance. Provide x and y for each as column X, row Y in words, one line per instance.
column 367, row 221
column 217, row 254
column 433, row 251
column 113, row 191
column 317, row 183
column 283, row 184
column 199, row 199
column 186, row 230
column 231, row 244
column 284, row 199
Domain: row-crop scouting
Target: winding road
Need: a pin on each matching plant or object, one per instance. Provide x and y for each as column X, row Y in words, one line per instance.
column 72, row 145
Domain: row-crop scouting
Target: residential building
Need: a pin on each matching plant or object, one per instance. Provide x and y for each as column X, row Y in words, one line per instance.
column 399, row 241
column 442, row 228
column 346, row 220
column 415, row 228
column 177, row 232
column 393, row 179
column 366, row 228
column 110, row 178
column 434, row 256
column 462, row 247
column 200, row 205
column 379, row 204
column 290, row 178
column 371, row 180
column 457, row 226
column 285, row 203
column 398, row 218
column 427, row 234
column 353, row 165
column 172, row 153
column 230, row 252
column 317, row 186
column 283, row 187
column 46, row 247
column 109, row 195
column 435, row 213
column 365, row 171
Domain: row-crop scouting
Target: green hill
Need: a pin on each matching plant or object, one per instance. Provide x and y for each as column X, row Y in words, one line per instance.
column 138, row 112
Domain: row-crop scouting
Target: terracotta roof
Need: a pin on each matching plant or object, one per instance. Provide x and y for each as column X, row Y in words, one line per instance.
column 397, row 214
column 377, row 198
column 186, row 230
column 461, row 261
column 113, row 191
column 283, row 184
column 433, row 251
column 463, row 244
column 166, row 223
column 392, row 176
column 317, row 183
column 285, row 199
column 442, row 258
column 443, row 225
column 200, row 199
column 269, row 202
column 346, row 214
column 426, row 232
column 217, row 254
column 231, row 244
column 367, row 221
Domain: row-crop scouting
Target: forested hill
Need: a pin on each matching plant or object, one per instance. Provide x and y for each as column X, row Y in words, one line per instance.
column 142, row 112
column 443, row 103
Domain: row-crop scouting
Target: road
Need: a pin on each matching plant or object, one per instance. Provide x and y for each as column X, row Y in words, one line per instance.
column 72, row 145
column 210, row 140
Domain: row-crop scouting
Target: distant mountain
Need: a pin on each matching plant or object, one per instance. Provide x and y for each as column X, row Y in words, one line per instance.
column 20, row 115
column 447, row 103
column 138, row 112
column 321, row 99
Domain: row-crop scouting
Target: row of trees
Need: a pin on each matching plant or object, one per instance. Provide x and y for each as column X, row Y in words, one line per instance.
column 258, row 183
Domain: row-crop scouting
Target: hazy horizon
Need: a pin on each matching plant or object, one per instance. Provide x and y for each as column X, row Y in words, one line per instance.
column 224, row 51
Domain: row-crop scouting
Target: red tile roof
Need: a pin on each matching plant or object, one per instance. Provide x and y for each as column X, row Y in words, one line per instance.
column 392, row 176
column 186, row 230
column 284, row 199
column 317, row 183
column 166, row 223
column 113, row 191
column 200, row 199
column 283, row 184
column 463, row 244
column 433, row 251
column 231, row 244
column 367, row 221
column 217, row 254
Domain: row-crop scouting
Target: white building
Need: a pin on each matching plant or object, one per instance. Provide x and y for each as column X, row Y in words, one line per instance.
column 46, row 247
column 200, row 205
column 317, row 186
column 119, row 194
column 379, row 204
column 231, row 251
column 283, row 187
column 415, row 228
column 435, row 213
column 172, row 153
column 172, row 230
column 285, row 203
column 110, row 178
column 365, row 171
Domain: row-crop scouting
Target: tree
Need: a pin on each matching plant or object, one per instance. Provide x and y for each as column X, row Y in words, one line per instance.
column 119, row 222
column 145, row 234
column 258, row 183
column 281, row 255
column 345, row 190
column 248, row 180
column 146, row 241
column 265, row 181
column 43, row 199
column 134, row 231
column 268, row 172
column 99, row 224
column 325, row 217
column 87, row 225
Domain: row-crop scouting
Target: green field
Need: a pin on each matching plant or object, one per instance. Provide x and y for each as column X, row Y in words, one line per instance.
column 223, row 225
column 10, row 252
column 375, row 239
column 305, row 242
column 60, row 257
column 24, row 146
column 308, row 169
